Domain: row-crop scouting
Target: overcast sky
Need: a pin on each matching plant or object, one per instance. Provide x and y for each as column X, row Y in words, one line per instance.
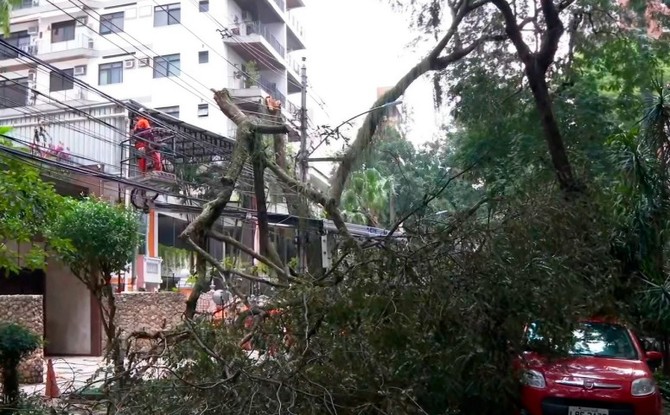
column 355, row 46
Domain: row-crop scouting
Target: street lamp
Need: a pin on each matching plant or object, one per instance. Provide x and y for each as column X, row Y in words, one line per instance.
column 348, row 121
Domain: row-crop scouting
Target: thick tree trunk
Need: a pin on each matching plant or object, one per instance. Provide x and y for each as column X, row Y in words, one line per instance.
column 298, row 206
column 536, row 65
column 201, row 285
column 552, row 133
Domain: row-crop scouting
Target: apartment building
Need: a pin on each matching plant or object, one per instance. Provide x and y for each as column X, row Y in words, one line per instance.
column 164, row 54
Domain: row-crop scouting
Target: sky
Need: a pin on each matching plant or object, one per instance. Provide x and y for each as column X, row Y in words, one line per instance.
column 353, row 47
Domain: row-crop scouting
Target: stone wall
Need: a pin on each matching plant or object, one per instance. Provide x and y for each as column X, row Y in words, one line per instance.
column 147, row 311
column 27, row 311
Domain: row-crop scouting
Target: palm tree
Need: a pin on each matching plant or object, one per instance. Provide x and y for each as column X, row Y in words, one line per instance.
column 367, row 199
column 6, row 7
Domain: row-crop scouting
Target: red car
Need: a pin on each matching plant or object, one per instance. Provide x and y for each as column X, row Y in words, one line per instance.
column 607, row 372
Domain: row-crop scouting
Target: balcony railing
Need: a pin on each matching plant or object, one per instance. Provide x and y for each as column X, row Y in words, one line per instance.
column 295, row 24
column 260, row 29
column 25, row 46
column 81, row 41
column 26, row 4
column 271, row 88
column 293, row 63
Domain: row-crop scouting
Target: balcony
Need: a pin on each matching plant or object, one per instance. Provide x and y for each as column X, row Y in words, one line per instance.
column 254, row 41
column 295, row 34
column 82, row 46
column 249, row 94
column 10, row 60
column 293, row 69
column 26, row 4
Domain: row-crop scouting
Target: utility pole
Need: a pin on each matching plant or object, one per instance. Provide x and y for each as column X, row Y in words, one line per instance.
column 303, row 156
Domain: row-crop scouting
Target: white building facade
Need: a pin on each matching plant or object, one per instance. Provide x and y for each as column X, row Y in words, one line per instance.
column 164, row 54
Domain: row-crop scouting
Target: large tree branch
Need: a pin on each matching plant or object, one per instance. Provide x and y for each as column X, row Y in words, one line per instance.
column 536, row 65
column 366, row 133
column 330, row 205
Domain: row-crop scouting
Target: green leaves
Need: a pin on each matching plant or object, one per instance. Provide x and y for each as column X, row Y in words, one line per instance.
column 28, row 208
column 103, row 237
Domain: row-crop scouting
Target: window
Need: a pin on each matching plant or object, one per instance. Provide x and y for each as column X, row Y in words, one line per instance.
column 203, row 56
column 111, row 23
column 171, row 111
column 167, row 14
column 58, row 82
column 588, row 339
column 20, row 40
column 168, row 65
column 14, row 93
column 203, row 6
column 62, row 31
column 203, row 110
column 110, row 73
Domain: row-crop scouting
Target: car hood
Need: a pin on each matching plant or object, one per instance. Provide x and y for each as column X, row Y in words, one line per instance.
column 587, row 367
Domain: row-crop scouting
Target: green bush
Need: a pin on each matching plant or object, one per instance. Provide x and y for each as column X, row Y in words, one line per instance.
column 16, row 342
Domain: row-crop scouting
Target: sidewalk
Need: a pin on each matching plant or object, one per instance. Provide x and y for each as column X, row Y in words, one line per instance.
column 71, row 373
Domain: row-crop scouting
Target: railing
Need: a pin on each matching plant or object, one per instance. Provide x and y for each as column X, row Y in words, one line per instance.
column 271, row 88
column 81, row 41
column 6, row 53
column 293, row 63
column 26, row 4
column 295, row 25
column 261, row 29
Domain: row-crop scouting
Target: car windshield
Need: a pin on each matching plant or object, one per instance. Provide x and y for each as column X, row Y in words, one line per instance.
column 593, row 339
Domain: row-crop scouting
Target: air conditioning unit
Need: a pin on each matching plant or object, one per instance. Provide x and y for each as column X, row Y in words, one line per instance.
column 80, row 70
column 32, row 74
column 152, row 270
column 129, row 64
column 142, row 62
column 33, row 30
column 90, row 44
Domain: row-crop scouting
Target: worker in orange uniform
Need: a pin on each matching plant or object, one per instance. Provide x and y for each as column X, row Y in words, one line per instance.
column 144, row 144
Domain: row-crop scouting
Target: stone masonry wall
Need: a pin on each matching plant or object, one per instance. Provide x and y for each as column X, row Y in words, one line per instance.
column 27, row 311
column 147, row 311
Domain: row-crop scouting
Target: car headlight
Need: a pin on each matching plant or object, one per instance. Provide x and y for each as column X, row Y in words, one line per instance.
column 643, row 387
column 534, row 379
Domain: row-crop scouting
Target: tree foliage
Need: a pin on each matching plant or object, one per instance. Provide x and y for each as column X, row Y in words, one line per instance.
column 29, row 207
column 104, row 238
column 16, row 342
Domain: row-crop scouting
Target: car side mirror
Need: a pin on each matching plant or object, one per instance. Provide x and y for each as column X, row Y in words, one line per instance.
column 654, row 359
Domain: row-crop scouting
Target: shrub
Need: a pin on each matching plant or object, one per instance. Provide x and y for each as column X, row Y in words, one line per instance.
column 16, row 342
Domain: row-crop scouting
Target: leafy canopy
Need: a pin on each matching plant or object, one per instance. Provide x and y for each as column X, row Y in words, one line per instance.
column 29, row 207
column 104, row 236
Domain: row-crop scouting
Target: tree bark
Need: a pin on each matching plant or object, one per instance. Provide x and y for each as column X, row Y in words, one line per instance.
column 297, row 204
column 535, row 68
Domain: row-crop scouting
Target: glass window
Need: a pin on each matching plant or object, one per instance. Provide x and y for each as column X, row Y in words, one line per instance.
column 203, row 56
column 203, row 110
column 589, row 339
column 62, row 31
column 110, row 73
column 58, row 82
column 167, row 14
column 203, row 6
column 168, row 65
column 14, row 93
column 171, row 111
column 111, row 23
